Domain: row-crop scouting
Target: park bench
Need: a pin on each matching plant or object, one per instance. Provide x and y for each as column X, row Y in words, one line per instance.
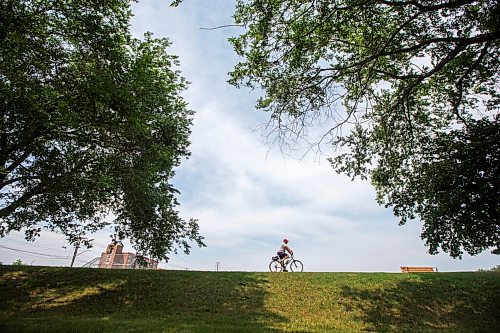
column 407, row 269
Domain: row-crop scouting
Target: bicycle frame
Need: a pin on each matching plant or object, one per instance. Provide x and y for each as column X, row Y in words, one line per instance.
column 290, row 263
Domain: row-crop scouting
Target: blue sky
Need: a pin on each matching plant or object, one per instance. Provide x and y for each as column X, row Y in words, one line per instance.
column 246, row 194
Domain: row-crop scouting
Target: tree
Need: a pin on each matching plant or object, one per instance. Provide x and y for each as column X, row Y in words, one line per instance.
column 92, row 125
column 408, row 92
column 18, row 262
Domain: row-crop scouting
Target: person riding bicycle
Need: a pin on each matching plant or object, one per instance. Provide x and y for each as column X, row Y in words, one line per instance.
column 282, row 253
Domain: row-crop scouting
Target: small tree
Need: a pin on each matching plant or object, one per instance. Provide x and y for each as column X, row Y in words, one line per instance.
column 18, row 262
column 493, row 269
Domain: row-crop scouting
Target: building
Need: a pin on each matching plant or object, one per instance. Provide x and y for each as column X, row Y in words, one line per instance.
column 115, row 258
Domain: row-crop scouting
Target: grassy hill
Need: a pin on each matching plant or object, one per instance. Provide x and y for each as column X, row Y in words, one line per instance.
column 48, row 299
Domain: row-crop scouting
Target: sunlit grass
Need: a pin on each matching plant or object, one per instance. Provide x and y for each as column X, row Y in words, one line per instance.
column 36, row 299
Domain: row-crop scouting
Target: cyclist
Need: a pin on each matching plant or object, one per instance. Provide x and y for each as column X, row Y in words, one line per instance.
column 282, row 253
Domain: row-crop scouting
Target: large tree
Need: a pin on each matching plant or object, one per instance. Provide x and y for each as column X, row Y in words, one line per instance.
column 92, row 125
column 408, row 92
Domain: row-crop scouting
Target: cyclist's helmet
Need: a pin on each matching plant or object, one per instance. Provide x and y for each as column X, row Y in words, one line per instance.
column 285, row 241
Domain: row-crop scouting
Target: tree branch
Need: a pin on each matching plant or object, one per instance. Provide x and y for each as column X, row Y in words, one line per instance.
column 461, row 41
column 460, row 81
column 8, row 210
column 223, row 26
column 17, row 179
column 426, row 8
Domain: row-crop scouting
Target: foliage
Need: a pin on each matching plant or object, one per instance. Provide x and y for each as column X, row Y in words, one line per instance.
column 92, row 125
column 176, row 3
column 51, row 299
column 396, row 84
column 493, row 269
column 18, row 262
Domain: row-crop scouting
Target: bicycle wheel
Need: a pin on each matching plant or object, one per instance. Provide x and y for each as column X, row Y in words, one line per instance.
column 296, row 266
column 275, row 266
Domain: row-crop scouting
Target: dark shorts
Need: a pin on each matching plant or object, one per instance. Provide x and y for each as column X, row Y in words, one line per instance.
column 282, row 255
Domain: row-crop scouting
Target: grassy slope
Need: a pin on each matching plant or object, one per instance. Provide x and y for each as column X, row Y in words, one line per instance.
column 43, row 299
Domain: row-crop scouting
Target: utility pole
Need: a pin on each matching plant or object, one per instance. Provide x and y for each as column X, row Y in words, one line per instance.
column 217, row 266
column 77, row 246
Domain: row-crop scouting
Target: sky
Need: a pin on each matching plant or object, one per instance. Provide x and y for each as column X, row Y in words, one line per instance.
column 247, row 194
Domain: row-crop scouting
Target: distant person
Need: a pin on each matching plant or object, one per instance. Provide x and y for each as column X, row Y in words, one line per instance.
column 282, row 253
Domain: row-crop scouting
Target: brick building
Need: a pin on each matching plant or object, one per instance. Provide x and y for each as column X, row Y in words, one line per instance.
column 115, row 258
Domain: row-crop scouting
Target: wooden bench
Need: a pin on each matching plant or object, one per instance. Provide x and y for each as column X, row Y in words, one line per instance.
column 407, row 269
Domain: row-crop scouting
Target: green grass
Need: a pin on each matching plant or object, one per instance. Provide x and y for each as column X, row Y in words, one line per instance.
column 48, row 299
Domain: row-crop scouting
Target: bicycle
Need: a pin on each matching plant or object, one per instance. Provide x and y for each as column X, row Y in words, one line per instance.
column 293, row 264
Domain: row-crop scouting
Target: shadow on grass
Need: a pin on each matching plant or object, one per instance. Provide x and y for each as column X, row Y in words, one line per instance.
column 36, row 299
column 429, row 303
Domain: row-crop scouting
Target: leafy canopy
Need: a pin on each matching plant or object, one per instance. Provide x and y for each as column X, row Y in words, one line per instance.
column 408, row 92
column 92, row 125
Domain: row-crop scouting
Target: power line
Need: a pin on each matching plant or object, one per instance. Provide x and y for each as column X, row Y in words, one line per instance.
column 190, row 262
column 186, row 258
column 186, row 268
column 34, row 253
column 29, row 243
